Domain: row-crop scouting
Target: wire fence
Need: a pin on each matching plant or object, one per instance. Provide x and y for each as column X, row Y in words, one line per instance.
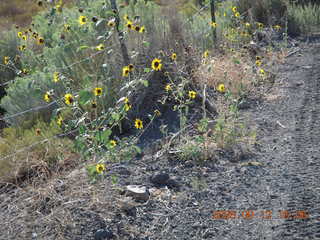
column 34, row 109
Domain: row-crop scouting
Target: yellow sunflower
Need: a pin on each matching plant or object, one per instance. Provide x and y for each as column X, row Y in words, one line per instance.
column 234, row 9
column 125, row 71
column 168, row 87
column 258, row 63
column 24, row 37
column 174, row 56
column 68, row 98
column 40, row 41
column 111, row 23
column 237, row 14
column 129, row 25
column 137, row 28
column 277, row 27
column 213, row 24
column 260, row 25
column 35, row 35
column 157, row 112
column 20, row 34
column 142, row 29
column 130, row 67
column 262, row 73
column 6, row 60
column 59, row 121
column 56, row 77
column 221, row 88
column 22, row 48
column 98, row 91
column 206, row 54
column 47, row 97
column 82, row 20
column 113, row 143
column 100, row 47
column 127, row 107
column 126, row 17
column 192, row 94
column 67, row 27
column 100, row 168
column 138, row 124
column 156, row 64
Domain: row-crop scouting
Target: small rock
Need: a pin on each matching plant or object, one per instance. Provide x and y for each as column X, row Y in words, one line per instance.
column 137, row 192
column 172, row 183
column 124, row 171
column 160, row 178
column 253, row 163
column 34, row 235
column 103, row 234
column 189, row 164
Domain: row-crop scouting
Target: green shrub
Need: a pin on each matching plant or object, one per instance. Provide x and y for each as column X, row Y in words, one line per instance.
column 8, row 48
column 25, row 94
column 303, row 19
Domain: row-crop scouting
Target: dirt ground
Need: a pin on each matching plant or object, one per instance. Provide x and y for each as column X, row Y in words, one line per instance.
column 274, row 192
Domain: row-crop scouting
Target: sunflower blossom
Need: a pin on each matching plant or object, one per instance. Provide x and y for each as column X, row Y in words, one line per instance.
column 56, row 77
column 221, row 88
column 192, row 94
column 47, row 97
column 125, row 71
column 98, row 91
column 100, row 168
column 100, row 47
column 68, row 98
column 156, row 64
column 6, row 60
column 173, row 56
column 113, row 143
column 82, row 20
column 138, row 124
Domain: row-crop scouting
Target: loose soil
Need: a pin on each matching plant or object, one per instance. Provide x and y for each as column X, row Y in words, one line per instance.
column 282, row 174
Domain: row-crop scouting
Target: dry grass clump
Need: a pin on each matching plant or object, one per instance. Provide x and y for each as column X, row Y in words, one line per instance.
column 40, row 153
column 57, row 209
column 235, row 71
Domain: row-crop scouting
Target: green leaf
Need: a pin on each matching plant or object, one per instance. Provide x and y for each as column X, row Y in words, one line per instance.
column 82, row 130
column 145, row 83
column 147, row 70
column 91, row 170
column 137, row 149
column 146, row 44
column 114, row 179
column 236, row 61
column 85, row 96
column 106, row 134
column 81, row 48
column 115, row 116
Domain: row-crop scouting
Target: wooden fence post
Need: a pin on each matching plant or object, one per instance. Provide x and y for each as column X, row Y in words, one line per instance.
column 213, row 19
column 123, row 46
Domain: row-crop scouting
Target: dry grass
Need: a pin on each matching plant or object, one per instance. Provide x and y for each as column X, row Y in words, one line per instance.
column 19, row 12
column 233, row 70
column 56, row 209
